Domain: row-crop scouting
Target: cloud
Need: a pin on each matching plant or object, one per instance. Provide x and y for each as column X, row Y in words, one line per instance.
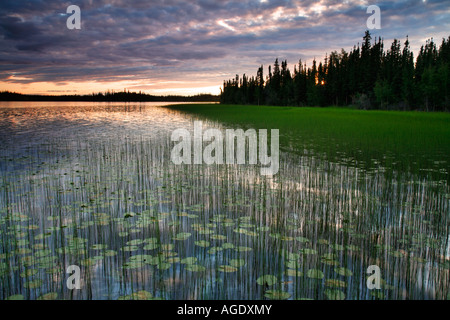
column 187, row 40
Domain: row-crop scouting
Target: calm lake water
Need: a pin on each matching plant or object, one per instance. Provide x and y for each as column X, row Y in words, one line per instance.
column 92, row 185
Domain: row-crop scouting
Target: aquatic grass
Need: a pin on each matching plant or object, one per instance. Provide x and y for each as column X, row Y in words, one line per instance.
column 141, row 227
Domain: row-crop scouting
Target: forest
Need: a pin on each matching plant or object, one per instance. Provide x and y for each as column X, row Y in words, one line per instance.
column 109, row 96
column 368, row 77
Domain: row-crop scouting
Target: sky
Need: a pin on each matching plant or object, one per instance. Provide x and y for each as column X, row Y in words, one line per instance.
column 167, row 47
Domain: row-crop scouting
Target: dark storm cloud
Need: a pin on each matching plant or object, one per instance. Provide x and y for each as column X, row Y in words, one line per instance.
column 179, row 39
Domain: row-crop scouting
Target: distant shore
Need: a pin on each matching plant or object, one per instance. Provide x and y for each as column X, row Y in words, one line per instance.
column 109, row 97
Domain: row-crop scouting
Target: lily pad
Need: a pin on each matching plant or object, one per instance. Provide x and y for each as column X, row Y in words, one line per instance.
column 189, row 260
column 228, row 245
column 315, row 274
column 227, row 268
column 16, row 297
column 218, row 237
column 135, row 242
column 214, row 250
column 164, row 265
column 151, row 246
column 28, row 273
column 99, row 246
column 377, row 294
column 202, row 243
column 237, row 263
column 110, row 253
column 302, row 239
column 277, row 295
column 336, row 283
column 293, row 273
column 334, row 294
column 344, row 272
column 34, row 284
column 141, row 295
column 195, row 268
column 308, row 251
column 130, row 248
column 267, row 279
column 182, row 236
column 49, row 296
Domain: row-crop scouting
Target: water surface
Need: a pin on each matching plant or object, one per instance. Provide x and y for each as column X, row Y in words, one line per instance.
column 92, row 185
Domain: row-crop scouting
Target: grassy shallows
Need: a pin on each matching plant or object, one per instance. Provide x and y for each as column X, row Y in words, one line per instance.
column 415, row 141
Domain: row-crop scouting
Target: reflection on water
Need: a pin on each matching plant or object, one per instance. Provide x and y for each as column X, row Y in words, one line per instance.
column 92, row 185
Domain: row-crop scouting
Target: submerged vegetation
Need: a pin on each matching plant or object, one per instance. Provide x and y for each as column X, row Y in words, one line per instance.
column 367, row 76
column 395, row 141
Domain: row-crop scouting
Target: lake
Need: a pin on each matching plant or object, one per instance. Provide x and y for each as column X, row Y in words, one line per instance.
column 92, row 185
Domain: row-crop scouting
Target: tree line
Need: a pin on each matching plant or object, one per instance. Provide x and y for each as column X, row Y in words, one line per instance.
column 109, row 96
column 368, row 76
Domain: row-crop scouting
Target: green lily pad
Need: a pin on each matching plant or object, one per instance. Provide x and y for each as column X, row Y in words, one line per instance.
column 293, row 273
column 182, row 236
column 343, row 272
column 214, row 250
column 237, row 263
column 49, row 296
column 218, row 237
column 110, row 253
column 277, row 295
column 302, row 239
column 352, row 247
column 130, row 248
column 292, row 256
column 167, row 247
column 164, row 265
column 377, row 294
column 135, row 242
column 28, row 273
column 42, row 253
column 202, row 243
column 334, row 294
column 140, row 295
column 315, row 274
column 34, row 284
column 16, row 297
column 228, row 245
column 206, row 231
column 87, row 262
column 151, row 246
column 267, row 279
column 292, row 264
column 227, row 268
column 173, row 260
column 308, row 251
column 195, row 268
column 336, row 283
column 189, row 260
column 99, row 246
